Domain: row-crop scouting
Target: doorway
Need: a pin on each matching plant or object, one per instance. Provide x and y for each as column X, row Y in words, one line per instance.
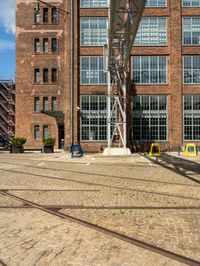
column 61, row 136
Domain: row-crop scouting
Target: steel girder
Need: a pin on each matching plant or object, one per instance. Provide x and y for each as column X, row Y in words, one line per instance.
column 124, row 19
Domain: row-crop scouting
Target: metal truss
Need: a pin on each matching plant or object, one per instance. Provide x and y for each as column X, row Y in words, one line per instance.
column 124, row 19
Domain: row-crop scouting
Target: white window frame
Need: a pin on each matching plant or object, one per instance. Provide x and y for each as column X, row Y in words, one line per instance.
column 149, row 70
column 93, row 6
column 192, row 69
column 90, row 70
column 98, row 32
column 191, row 4
column 191, row 30
column 149, row 33
column 157, row 5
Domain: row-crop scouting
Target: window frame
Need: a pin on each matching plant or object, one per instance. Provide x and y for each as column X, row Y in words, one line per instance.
column 91, row 115
column 45, row 103
column 191, row 6
column 150, row 36
column 149, row 70
column 36, row 104
column 189, row 17
column 89, row 70
column 37, row 76
column 157, row 6
column 151, row 114
column 192, row 69
column 190, row 113
column 94, row 7
column 36, row 131
column 99, row 32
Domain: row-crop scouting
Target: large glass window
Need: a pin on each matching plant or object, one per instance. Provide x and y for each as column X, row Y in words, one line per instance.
column 191, row 69
column 149, row 69
column 93, row 31
column 93, row 118
column 94, row 3
column 149, row 115
column 192, row 117
column 92, row 70
column 152, row 31
column 156, row 3
column 191, row 31
column 191, row 3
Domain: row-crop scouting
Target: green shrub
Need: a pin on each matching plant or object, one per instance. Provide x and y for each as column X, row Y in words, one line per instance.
column 49, row 141
column 18, row 141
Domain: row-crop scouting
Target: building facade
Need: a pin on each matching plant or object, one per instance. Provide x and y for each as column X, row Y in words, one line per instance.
column 61, row 87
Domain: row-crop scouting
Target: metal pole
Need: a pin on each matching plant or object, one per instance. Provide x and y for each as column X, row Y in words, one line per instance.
column 72, row 72
column 108, row 110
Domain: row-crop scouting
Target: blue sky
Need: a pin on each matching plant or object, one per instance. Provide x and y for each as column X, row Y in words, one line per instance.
column 7, row 39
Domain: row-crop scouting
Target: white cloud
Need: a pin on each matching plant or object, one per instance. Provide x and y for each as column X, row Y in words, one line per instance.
column 6, row 45
column 7, row 15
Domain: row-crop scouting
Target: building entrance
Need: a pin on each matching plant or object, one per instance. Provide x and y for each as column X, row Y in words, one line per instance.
column 61, row 136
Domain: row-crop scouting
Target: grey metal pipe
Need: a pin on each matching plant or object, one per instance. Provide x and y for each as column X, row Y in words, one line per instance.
column 71, row 72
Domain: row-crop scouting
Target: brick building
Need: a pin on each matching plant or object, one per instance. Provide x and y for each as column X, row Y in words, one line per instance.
column 62, row 91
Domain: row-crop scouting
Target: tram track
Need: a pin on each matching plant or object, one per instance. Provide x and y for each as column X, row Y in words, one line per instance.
column 106, row 231
column 102, row 175
column 101, row 185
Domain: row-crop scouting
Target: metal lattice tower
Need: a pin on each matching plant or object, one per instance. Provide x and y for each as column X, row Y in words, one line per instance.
column 124, row 19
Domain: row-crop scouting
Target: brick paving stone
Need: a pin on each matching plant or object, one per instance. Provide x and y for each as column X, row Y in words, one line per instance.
column 32, row 237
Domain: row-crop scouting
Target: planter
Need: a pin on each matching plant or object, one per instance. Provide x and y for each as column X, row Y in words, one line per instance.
column 15, row 149
column 48, row 149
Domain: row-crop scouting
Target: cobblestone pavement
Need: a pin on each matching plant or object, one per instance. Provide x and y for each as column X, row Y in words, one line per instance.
column 157, row 202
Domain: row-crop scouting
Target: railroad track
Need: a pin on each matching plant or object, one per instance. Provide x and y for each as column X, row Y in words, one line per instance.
column 105, row 175
column 100, row 185
column 106, row 231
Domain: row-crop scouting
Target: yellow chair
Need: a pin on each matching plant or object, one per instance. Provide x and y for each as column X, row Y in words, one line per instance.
column 155, row 150
column 190, row 150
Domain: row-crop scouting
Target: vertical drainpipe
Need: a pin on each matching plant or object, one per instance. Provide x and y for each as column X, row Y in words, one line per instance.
column 71, row 72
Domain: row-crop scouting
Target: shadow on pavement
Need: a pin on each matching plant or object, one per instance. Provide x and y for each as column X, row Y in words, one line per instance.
column 181, row 166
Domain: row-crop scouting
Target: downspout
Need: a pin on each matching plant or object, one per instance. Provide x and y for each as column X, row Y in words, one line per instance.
column 71, row 72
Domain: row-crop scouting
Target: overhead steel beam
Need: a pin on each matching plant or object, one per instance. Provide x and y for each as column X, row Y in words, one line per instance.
column 124, row 20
